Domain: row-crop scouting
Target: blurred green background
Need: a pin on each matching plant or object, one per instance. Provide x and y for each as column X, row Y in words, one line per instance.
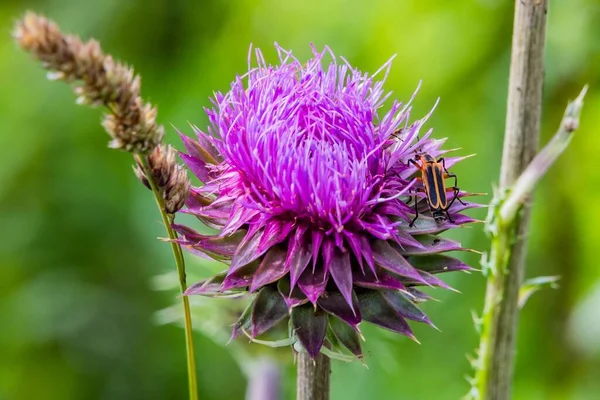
column 79, row 256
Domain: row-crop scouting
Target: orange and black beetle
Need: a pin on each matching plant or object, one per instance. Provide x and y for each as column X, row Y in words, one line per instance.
column 433, row 176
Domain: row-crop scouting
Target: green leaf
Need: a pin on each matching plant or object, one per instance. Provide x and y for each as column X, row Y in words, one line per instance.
column 530, row 286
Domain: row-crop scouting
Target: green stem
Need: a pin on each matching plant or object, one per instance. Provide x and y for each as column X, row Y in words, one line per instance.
column 496, row 270
column 506, row 264
column 179, row 261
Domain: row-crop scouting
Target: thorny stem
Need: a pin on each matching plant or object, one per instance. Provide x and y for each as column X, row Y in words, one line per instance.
column 313, row 377
column 179, row 261
column 506, row 264
column 501, row 228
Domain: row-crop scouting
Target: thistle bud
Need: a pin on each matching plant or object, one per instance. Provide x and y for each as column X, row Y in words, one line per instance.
column 169, row 177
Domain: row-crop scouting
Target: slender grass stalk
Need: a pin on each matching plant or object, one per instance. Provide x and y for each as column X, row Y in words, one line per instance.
column 313, row 377
column 180, row 262
column 99, row 80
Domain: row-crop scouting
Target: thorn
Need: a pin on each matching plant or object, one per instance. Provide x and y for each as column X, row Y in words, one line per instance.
column 451, row 150
column 472, row 251
column 413, row 337
column 453, row 290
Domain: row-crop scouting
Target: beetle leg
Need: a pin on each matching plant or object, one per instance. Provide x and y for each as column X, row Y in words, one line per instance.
column 449, row 217
column 443, row 161
column 448, row 174
column 456, row 191
column 397, row 132
column 416, row 207
column 417, row 190
column 416, row 216
column 416, row 164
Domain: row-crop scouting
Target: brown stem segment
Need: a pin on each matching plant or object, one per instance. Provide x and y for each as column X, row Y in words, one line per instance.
column 520, row 145
column 313, row 377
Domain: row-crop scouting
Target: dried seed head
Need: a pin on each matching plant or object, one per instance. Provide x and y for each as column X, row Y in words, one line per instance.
column 177, row 190
column 169, row 177
column 98, row 80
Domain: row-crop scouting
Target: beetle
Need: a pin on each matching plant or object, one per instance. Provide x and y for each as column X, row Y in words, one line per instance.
column 433, row 175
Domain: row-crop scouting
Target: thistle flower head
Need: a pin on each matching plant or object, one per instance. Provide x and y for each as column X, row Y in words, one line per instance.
column 313, row 195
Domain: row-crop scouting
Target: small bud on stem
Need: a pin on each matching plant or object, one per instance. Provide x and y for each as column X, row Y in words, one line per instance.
column 170, row 178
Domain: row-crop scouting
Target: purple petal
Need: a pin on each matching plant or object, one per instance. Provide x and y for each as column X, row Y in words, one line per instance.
column 417, row 295
column 386, row 257
column 275, row 232
column 404, row 239
column 197, row 199
column 429, row 280
column 292, row 297
column 317, row 239
column 203, row 151
column 378, row 311
column 269, row 308
column 299, row 255
column 241, row 277
column 438, row 263
column 310, row 327
column 187, row 233
column 458, row 207
column 238, row 216
column 382, row 280
column 271, row 269
column 367, row 253
column 207, row 287
column 425, row 224
column 216, row 214
column 313, row 284
column 353, row 241
column 211, row 245
column 431, row 244
column 197, row 166
column 206, row 143
column 247, row 251
column 341, row 272
column 335, row 304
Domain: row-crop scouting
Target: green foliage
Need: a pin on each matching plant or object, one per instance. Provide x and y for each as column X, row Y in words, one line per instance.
column 79, row 246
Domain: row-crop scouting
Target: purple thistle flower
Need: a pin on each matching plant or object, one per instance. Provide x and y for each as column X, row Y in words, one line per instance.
column 311, row 189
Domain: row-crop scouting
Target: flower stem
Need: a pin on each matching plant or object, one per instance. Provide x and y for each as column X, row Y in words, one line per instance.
column 179, row 261
column 505, row 266
column 313, row 377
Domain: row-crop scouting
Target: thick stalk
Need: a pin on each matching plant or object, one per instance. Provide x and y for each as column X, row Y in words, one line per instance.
column 179, row 261
column 313, row 377
column 505, row 268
